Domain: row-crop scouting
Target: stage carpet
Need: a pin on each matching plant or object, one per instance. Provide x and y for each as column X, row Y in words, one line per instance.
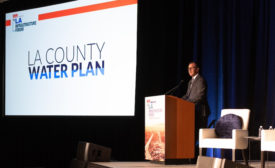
column 255, row 164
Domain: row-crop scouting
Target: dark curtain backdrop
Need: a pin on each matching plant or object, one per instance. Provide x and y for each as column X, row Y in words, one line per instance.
column 232, row 40
column 234, row 43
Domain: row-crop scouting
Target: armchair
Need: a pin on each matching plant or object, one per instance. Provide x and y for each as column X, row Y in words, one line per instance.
column 209, row 139
column 267, row 144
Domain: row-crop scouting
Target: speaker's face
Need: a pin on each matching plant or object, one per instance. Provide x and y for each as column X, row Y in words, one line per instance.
column 193, row 69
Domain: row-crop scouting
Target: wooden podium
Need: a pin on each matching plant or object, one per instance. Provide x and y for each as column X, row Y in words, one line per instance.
column 169, row 129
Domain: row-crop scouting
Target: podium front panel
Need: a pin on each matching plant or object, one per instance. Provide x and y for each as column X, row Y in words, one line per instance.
column 179, row 128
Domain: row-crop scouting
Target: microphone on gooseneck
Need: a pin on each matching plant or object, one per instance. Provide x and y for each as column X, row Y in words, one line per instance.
column 174, row 88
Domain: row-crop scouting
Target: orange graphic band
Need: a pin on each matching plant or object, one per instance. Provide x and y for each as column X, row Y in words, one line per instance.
column 84, row 9
column 8, row 22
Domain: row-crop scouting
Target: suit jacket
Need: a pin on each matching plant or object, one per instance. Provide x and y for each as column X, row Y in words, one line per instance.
column 197, row 93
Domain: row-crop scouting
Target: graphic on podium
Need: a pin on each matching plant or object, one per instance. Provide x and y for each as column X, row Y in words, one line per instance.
column 155, row 128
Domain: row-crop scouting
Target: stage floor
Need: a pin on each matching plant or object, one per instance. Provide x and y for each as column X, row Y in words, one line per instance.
column 255, row 164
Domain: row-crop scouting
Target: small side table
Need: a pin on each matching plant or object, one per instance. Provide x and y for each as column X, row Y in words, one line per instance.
column 252, row 138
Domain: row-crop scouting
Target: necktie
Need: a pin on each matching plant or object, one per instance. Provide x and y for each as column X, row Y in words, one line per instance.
column 192, row 81
column 189, row 89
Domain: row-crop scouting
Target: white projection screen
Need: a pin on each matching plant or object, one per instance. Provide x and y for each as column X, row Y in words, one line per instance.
column 72, row 59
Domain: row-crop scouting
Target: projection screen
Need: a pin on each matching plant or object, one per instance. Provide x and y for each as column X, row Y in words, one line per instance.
column 72, row 59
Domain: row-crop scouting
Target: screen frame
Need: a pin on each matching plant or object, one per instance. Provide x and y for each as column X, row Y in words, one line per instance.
column 46, row 4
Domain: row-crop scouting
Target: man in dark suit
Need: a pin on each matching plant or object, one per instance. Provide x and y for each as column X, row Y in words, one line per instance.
column 197, row 93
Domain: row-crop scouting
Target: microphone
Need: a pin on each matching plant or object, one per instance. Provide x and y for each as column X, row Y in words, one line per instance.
column 174, row 88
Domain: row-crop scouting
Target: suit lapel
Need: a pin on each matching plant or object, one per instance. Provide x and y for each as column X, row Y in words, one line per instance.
column 193, row 83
